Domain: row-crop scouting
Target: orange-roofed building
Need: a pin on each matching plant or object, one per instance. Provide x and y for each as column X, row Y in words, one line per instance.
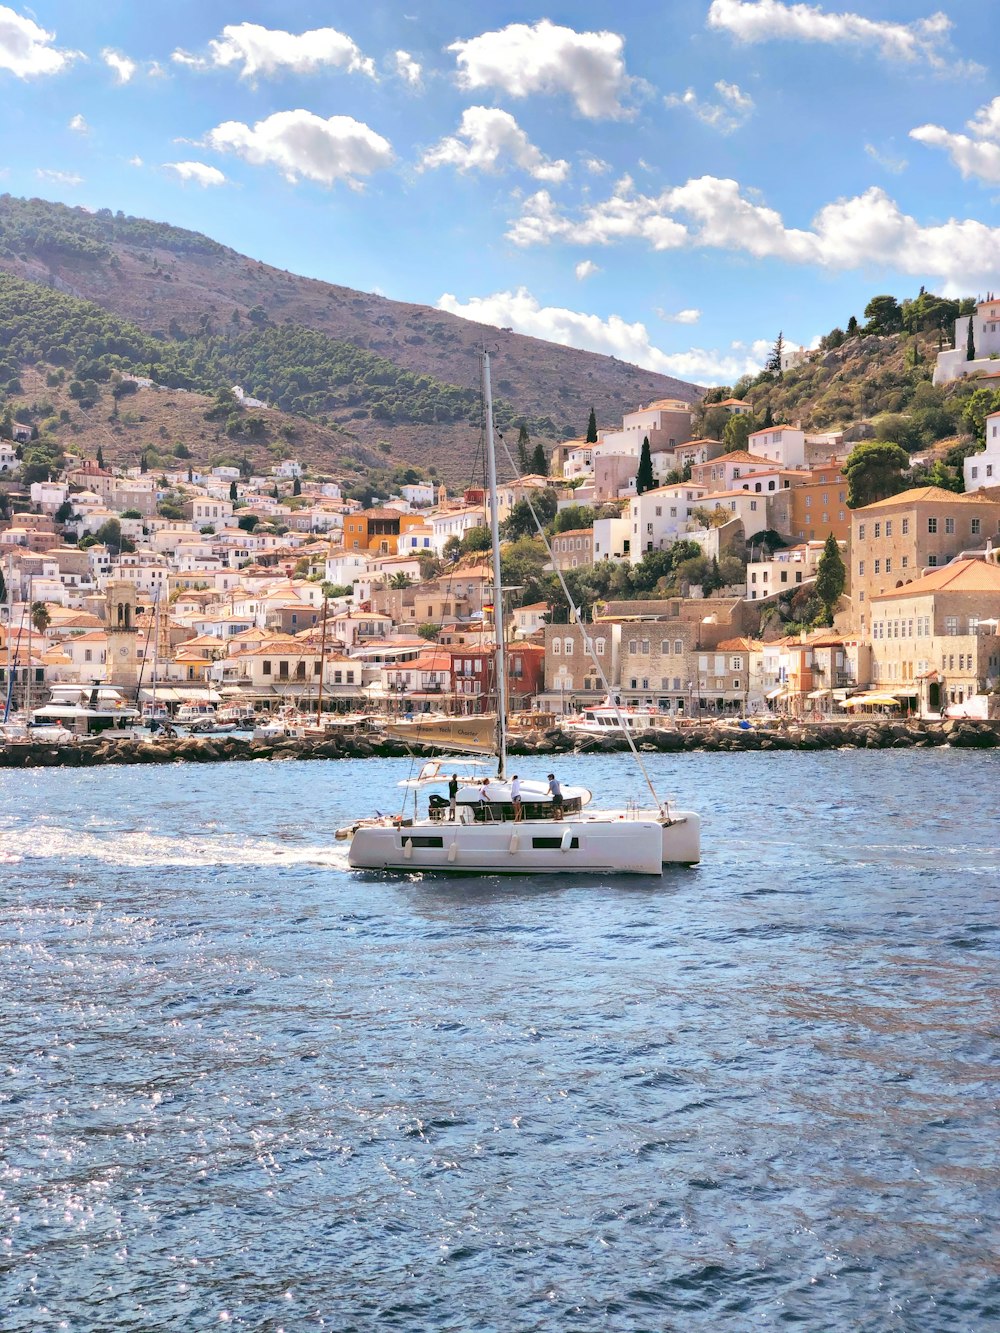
column 935, row 641
column 377, row 530
column 897, row 540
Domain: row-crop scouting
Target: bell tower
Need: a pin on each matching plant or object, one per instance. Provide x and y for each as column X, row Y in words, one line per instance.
column 123, row 639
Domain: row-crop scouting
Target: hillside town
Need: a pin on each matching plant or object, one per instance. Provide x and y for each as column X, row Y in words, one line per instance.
column 273, row 592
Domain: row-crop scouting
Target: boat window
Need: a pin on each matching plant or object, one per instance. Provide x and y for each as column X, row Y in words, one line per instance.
column 423, row 840
column 552, row 844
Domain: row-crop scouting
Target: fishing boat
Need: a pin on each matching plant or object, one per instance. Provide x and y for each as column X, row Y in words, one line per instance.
column 547, row 828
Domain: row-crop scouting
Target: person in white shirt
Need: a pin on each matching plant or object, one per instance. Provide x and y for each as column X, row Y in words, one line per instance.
column 515, row 796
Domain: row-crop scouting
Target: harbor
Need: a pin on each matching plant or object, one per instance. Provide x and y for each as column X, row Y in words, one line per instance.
column 344, row 742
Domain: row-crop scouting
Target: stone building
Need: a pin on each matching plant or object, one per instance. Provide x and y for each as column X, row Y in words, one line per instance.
column 898, row 540
column 935, row 641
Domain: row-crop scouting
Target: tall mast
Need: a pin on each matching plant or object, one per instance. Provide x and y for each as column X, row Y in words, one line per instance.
column 322, row 668
column 498, row 627
column 9, row 693
column 28, row 690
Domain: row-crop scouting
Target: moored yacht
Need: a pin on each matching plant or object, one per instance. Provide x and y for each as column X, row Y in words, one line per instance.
column 88, row 710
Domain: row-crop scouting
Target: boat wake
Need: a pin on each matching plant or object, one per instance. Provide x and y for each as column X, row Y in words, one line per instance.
column 138, row 847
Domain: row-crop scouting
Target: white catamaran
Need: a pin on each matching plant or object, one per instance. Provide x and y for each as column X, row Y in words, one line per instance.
column 480, row 830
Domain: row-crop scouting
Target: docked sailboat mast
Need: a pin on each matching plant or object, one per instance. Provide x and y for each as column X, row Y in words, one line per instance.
column 498, row 626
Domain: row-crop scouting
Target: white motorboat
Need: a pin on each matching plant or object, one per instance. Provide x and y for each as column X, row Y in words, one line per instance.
column 610, row 718
column 188, row 714
column 88, row 710
column 484, row 835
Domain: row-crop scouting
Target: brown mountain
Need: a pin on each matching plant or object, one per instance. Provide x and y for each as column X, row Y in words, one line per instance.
column 174, row 283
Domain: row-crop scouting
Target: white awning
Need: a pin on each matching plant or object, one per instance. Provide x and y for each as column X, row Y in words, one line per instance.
column 776, row 694
column 179, row 694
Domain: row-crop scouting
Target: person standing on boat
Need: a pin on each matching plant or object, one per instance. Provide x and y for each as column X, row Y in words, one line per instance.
column 555, row 791
column 515, row 796
column 452, row 797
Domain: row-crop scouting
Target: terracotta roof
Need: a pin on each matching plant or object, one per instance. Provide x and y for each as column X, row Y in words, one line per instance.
column 919, row 495
column 959, row 576
column 739, row 456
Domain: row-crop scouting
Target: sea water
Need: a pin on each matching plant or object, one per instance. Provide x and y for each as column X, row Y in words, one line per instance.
column 243, row 1087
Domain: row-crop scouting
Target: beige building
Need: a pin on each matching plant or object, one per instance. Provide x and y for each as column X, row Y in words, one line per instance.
column 573, row 549
column 898, row 540
column 935, row 641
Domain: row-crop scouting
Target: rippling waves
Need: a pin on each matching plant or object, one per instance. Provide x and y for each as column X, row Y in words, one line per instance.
column 244, row 1088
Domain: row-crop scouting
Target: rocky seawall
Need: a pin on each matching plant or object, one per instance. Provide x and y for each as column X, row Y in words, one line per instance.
column 867, row 735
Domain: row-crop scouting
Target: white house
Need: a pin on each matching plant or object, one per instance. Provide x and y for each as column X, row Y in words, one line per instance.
column 955, row 364
column 419, row 494
column 784, row 571
column 659, row 517
column 781, row 444
column 983, row 469
column 245, row 400
column 8, row 457
column 344, row 568
column 455, row 523
column 611, row 538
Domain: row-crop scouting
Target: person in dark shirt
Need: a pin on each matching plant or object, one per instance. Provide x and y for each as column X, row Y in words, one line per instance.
column 452, row 797
column 557, row 797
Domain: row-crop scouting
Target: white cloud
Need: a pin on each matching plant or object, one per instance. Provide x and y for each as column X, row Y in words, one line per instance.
column 408, row 69
column 691, row 316
column 120, row 64
column 545, row 58
column 766, row 20
column 59, row 177
column 864, row 231
column 301, row 144
column 886, row 160
column 596, row 165
column 974, row 156
column 985, row 124
column 26, row 49
column 78, row 125
column 199, row 173
column 586, row 269
column 733, row 111
column 613, row 336
column 268, row 51
column 485, row 136
column 135, row 161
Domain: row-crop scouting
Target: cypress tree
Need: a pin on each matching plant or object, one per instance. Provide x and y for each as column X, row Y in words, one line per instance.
column 233, row 492
column 644, row 479
column 970, row 343
column 539, row 463
column 100, row 457
column 768, row 421
column 592, row 428
column 830, row 577
column 523, row 450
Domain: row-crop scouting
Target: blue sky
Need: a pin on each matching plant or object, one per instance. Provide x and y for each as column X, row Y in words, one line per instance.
column 671, row 183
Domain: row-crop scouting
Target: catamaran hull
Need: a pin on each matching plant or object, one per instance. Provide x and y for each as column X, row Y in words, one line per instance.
column 682, row 839
column 620, row 847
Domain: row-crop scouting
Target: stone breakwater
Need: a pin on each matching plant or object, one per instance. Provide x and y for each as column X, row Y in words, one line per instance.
column 867, row 735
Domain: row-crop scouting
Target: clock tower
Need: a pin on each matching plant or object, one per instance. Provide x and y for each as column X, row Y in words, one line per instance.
column 123, row 637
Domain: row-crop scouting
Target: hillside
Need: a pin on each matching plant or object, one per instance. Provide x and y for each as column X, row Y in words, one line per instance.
column 169, row 428
column 279, row 334
column 869, row 386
